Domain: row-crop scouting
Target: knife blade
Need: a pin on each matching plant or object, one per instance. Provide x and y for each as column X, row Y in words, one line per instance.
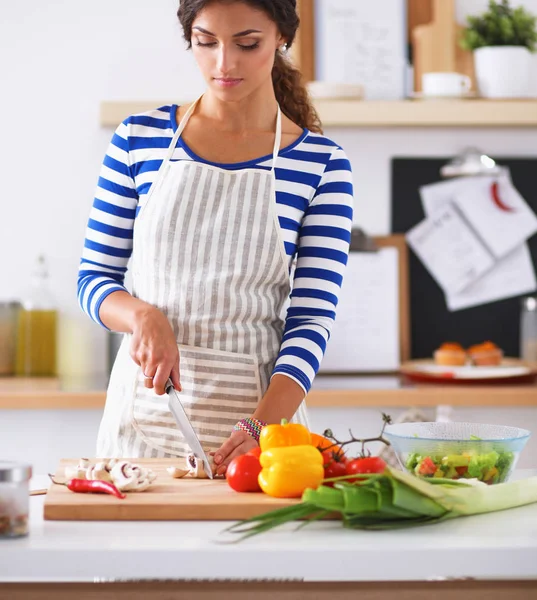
column 185, row 426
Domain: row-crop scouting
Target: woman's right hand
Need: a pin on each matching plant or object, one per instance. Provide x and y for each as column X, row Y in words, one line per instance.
column 154, row 349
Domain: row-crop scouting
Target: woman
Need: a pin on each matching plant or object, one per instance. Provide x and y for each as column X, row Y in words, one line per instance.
column 213, row 202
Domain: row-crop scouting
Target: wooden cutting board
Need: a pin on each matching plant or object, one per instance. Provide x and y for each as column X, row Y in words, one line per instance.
column 167, row 499
column 436, row 45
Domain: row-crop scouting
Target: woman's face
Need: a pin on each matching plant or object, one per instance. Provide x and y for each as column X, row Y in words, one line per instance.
column 234, row 46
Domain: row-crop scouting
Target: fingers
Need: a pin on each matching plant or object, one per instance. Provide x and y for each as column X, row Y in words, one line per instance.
column 238, row 443
column 157, row 365
column 174, row 376
column 227, row 448
column 153, row 347
column 243, row 448
column 159, row 380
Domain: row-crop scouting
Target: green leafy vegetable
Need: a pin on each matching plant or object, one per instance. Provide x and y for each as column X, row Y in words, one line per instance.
column 394, row 500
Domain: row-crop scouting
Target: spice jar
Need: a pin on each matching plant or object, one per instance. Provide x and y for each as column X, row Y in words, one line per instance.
column 14, row 498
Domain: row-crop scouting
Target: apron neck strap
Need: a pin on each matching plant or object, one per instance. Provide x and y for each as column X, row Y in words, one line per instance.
column 178, row 133
column 188, row 114
column 277, row 138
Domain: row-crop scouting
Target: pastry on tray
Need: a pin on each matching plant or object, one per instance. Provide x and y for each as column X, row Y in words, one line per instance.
column 450, row 354
column 486, row 354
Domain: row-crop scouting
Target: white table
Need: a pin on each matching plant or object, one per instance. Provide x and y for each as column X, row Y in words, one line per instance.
column 489, row 548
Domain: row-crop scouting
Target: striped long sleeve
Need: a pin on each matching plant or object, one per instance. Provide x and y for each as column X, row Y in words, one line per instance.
column 108, row 244
column 323, row 247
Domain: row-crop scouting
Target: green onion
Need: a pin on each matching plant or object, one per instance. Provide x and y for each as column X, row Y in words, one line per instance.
column 394, row 500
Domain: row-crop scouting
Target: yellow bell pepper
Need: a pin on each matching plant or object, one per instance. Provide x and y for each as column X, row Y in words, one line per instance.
column 286, row 434
column 288, row 471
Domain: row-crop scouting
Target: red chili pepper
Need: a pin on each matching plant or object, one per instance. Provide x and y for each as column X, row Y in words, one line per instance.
column 87, row 485
column 494, row 190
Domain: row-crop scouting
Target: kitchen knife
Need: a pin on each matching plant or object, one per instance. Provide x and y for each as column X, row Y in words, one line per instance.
column 186, row 428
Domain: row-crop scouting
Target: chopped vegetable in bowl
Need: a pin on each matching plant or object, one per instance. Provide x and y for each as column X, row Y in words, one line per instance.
column 487, row 453
column 492, row 467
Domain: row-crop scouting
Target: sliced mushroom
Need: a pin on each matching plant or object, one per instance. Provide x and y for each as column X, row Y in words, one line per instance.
column 130, row 477
column 78, row 472
column 99, row 471
column 197, row 468
column 177, row 472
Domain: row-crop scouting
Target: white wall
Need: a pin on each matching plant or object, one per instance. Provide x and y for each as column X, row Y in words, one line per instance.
column 59, row 60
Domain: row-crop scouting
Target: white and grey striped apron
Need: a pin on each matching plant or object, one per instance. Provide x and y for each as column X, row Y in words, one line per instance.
column 208, row 252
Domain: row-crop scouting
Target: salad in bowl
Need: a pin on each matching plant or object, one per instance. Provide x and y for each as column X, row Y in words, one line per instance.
column 488, row 453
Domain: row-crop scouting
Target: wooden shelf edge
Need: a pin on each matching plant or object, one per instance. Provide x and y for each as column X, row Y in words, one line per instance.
column 59, row 400
column 403, row 113
column 422, row 396
column 427, row 396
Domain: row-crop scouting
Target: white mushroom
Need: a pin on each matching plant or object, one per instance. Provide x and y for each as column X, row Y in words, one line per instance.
column 99, row 471
column 177, row 472
column 78, row 472
column 196, row 467
column 130, row 477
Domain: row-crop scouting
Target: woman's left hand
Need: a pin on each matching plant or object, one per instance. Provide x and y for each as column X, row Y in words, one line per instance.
column 239, row 442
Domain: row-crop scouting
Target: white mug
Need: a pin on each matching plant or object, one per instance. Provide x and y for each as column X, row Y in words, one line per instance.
column 445, row 84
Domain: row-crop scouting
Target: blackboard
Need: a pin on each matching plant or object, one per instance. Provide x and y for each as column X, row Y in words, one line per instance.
column 430, row 321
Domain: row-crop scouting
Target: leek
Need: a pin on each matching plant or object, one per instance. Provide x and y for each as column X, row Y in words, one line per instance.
column 395, row 500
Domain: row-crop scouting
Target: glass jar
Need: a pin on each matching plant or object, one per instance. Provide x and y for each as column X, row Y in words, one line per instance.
column 528, row 329
column 14, row 498
column 37, row 327
column 8, row 336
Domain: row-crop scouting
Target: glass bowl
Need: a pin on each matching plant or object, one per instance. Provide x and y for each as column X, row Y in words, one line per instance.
column 488, row 453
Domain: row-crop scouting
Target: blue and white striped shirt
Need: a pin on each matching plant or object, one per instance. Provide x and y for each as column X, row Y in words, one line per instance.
column 314, row 197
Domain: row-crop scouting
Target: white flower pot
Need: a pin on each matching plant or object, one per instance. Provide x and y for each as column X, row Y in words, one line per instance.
column 504, row 71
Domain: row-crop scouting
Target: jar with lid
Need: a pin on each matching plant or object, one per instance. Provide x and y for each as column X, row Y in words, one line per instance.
column 14, row 498
column 37, row 327
column 528, row 329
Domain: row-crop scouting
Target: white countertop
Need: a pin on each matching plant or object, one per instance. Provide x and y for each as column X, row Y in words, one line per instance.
column 500, row 545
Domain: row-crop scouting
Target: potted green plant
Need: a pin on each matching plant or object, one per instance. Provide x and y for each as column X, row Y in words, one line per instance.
column 502, row 40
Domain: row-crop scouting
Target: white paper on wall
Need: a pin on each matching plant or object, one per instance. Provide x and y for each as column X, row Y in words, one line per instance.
column 449, row 249
column 511, row 276
column 365, row 335
column 362, row 42
column 497, row 212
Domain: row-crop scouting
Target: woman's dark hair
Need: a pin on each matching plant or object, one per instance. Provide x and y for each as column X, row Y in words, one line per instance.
column 290, row 91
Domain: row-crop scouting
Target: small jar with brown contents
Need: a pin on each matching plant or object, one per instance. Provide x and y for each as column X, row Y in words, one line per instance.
column 14, row 498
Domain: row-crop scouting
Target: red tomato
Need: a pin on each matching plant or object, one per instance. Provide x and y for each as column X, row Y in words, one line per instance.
column 242, row 473
column 427, row 467
column 255, row 452
column 370, row 464
column 334, row 465
column 461, row 470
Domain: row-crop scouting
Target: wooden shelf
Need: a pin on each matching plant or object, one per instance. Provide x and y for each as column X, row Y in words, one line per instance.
column 405, row 113
column 342, row 393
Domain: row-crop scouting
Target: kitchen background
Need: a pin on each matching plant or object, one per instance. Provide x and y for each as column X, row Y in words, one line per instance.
column 59, row 61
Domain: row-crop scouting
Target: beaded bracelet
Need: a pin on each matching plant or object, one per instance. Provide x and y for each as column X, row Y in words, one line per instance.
column 252, row 427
